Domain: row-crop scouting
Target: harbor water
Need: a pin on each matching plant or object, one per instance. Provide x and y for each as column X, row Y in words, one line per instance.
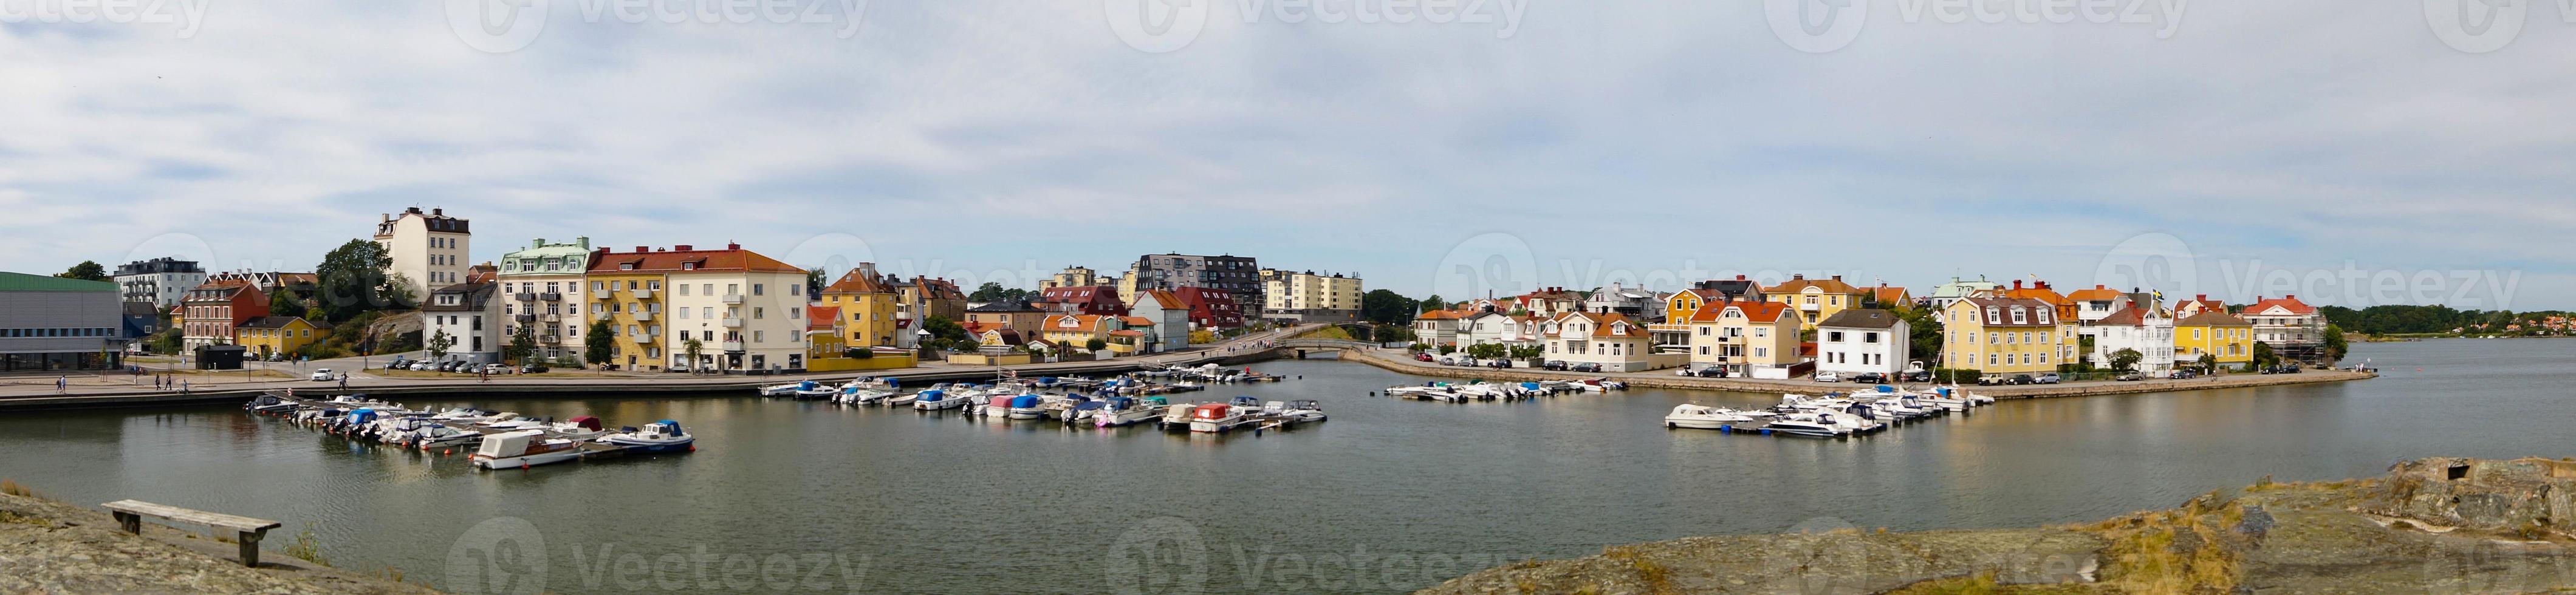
column 1386, row 496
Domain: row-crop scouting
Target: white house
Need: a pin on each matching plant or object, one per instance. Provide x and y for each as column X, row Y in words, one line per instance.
column 1498, row 328
column 467, row 314
column 428, row 249
column 1611, row 340
column 1169, row 317
column 1438, row 327
column 2147, row 329
column 1863, row 340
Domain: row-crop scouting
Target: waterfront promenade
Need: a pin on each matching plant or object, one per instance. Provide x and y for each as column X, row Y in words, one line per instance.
column 1399, row 360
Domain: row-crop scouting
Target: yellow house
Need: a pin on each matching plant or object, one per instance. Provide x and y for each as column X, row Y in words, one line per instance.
column 1743, row 337
column 1077, row 330
column 866, row 303
column 823, row 336
column 278, row 334
column 615, row 297
column 2005, row 336
column 1816, row 300
column 2223, row 336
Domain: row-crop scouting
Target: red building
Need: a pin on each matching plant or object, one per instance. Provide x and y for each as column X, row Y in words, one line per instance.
column 211, row 311
column 1095, row 300
column 1211, row 308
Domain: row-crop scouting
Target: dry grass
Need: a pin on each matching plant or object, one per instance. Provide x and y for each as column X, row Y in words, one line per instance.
column 11, row 487
column 308, row 548
column 2174, row 551
column 13, row 517
column 1657, row 578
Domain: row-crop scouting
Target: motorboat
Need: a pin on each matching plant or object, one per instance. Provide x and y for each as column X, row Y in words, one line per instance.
column 902, row 400
column 438, row 436
column 1302, row 411
column 1692, row 415
column 1216, row 417
column 578, row 428
column 1808, row 424
column 660, row 436
column 1120, row 411
column 936, row 399
column 1023, row 407
column 858, row 395
column 523, row 449
column 781, row 390
column 1178, row 416
column 811, row 390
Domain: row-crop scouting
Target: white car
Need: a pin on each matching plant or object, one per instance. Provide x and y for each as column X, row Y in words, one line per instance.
column 323, row 375
column 1828, row 377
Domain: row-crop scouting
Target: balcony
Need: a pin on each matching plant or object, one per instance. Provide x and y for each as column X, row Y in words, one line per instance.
column 732, row 346
column 549, row 338
column 554, row 318
column 526, row 296
column 733, row 299
column 600, row 295
column 643, row 316
column 641, row 294
column 730, row 322
column 600, row 316
column 525, row 318
column 550, row 296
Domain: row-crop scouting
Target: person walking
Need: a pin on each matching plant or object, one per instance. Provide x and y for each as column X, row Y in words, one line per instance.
column 62, row 383
column 344, row 382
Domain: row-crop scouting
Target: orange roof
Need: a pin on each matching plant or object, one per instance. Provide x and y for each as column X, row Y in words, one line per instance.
column 1444, row 314
column 1127, row 333
column 1136, row 320
column 2097, row 293
column 2290, row 303
column 1889, row 295
column 1607, row 325
column 1077, row 321
column 1798, row 285
column 818, row 318
column 733, row 258
column 2043, row 294
column 1753, row 311
column 1169, row 300
column 858, row 280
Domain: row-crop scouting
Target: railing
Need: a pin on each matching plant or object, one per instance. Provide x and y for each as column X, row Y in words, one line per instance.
column 733, row 299
column 525, row 318
column 643, row 316
column 526, row 296
column 735, row 345
column 730, row 322
column 554, row 318
column 550, row 296
column 642, row 294
column 599, row 316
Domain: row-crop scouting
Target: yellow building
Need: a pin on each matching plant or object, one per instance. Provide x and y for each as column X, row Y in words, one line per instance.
column 823, row 336
column 619, row 298
column 2002, row 336
column 866, row 303
column 1745, row 337
column 2223, row 336
column 278, row 334
column 1815, row 300
column 1077, row 330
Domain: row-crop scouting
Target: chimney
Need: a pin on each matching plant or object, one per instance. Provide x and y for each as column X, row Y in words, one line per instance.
column 682, row 247
column 1739, row 278
column 642, row 249
column 540, row 243
column 2016, row 284
column 2202, row 298
column 2292, row 297
column 1838, row 277
column 730, row 246
column 2099, row 286
column 1798, row 277
column 437, row 212
column 584, row 241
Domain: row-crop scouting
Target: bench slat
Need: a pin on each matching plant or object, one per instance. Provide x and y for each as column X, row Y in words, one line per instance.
column 224, row 521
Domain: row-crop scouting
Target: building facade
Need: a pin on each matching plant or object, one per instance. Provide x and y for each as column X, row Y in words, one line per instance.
column 430, row 249
column 1211, row 308
column 1095, row 300
column 1745, row 337
column 1071, row 277
column 745, row 311
column 2005, row 336
column 212, row 310
column 1611, row 340
column 542, row 289
column 1021, row 318
column 1816, row 299
column 2147, row 329
column 866, row 305
column 1309, row 297
column 469, row 315
column 1238, row 275
column 52, row 323
column 2293, row 328
column 2226, row 339
column 161, row 282
column 1168, row 316
column 266, row 335
column 1864, row 340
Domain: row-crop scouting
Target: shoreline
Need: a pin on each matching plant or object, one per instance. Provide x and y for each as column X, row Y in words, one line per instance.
column 1745, row 385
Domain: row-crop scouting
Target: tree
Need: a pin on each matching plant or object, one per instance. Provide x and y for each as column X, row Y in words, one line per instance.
column 599, row 346
column 1095, row 344
column 2335, row 346
column 523, row 345
column 813, row 283
column 2126, row 360
column 1925, row 332
column 1527, row 352
column 942, row 328
column 87, row 270
column 1433, row 303
column 1386, row 307
column 2208, row 363
column 284, row 303
column 351, row 280
column 1487, row 350
column 439, row 341
column 694, row 348
column 995, row 292
column 2263, row 355
column 1390, row 333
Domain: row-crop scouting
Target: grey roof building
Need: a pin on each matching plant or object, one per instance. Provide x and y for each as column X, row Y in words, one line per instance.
column 52, row 323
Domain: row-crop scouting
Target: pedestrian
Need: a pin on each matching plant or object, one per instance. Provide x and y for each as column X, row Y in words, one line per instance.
column 62, row 383
column 183, row 387
column 344, row 382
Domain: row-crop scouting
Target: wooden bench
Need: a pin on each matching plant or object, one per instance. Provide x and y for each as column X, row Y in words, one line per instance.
column 130, row 513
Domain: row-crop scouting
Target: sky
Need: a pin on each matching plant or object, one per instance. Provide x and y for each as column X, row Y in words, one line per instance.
column 2352, row 153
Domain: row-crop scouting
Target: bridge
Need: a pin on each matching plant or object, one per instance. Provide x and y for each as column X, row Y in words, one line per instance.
column 1301, row 346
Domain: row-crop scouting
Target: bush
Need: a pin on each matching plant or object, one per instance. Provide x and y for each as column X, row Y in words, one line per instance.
column 858, row 353
column 1946, row 375
column 1448, row 349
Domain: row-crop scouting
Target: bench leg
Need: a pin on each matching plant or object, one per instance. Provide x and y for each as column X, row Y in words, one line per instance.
column 250, row 547
column 130, row 522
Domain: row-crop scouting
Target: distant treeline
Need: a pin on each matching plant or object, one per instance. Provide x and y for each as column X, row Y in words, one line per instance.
column 2387, row 320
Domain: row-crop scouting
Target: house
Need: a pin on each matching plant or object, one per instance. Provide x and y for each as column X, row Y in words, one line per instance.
column 1886, row 297
column 542, row 289
column 1211, row 308
column 2198, row 305
column 865, row 304
column 160, row 281
column 745, row 311
column 1945, row 294
column 1077, row 331
column 920, row 298
column 1073, row 276
column 278, row 334
column 2096, row 303
column 1672, row 335
column 2005, row 336
column 2294, row 329
column 1500, row 329
column 55, row 324
column 1093, row 300
column 469, row 315
column 1167, row 316
column 1021, row 318
column 824, row 336
column 2144, row 328
column 1815, row 299
column 430, row 250
column 1864, row 340
column 2224, row 337
column 1546, row 302
column 1439, row 327
column 1238, row 275
column 1747, row 338
column 1611, row 340
column 2039, row 290
column 1633, row 302
column 213, row 309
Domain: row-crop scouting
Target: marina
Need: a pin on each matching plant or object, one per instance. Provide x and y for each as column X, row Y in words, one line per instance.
column 492, row 439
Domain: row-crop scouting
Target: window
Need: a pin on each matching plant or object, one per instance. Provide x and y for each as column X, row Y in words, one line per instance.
column 759, row 336
column 684, row 289
column 757, row 287
column 757, row 313
column 794, row 289
column 684, row 312
column 1834, row 337
column 1869, row 337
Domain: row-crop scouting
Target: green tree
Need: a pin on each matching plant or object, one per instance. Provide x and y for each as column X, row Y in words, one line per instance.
column 1386, row 307
column 523, row 345
column 599, row 346
column 1095, row 344
column 1433, row 303
column 942, row 328
column 439, row 341
column 285, row 303
column 87, row 270
column 1924, row 330
column 1526, row 352
column 167, row 342
column 1487, row 351
column 814, row 282
column 351, row 280
column 694, row 348
column 2335, row 345
column 2126, row 360
column 2208, row 363
column 995, row 292
column 2263, row 355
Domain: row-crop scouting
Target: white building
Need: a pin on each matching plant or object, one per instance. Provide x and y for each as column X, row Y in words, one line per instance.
column 1636, row 303
column 467, row 314
column 1863, row 340
column 1611, row 340
column 1500, row 329
column 542, row 288
column 1170, row 319
column 1438, row 327
column 746, row 310
column 429, row 249
column 162, row 282
column 2148, row 329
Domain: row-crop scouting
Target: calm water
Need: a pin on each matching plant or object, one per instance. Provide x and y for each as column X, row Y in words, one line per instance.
column 1388, row 495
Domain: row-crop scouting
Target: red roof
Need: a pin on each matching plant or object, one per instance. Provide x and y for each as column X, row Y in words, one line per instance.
column 732, row 258
column 2097, row 293
column 862, row 279
column 1754, row 311
column 822, row 318
column 2289, row 303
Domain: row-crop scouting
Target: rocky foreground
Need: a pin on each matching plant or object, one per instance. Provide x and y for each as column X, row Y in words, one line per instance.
column 2440, row 525
column 50, row 547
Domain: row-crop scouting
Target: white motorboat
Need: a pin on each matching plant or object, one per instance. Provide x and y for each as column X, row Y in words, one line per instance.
column 1703, row 417
column 1024, row 407
column 937, row 399
column 439, row 436
column 523, row 449
column 1217, row 417
column 810, row 390
column 1121, row 411
column 1808, row 424
column 854, row 395
column 780, row 390
column 902, row 400
column 660, row 436
column 1302, row 411
column 1177, row 416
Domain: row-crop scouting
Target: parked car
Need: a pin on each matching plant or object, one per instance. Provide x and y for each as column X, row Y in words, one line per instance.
column 1587, row 367
column 1828, row 376
column 450, row 366
column 2130, row 377
column 1499, row 363
column 1423, row 357
column 1989, row 380
column 2023, row 379
column 2047, row 378
column 1869, row 378
column 1448, row 361
column 1712, row 372
column 496, row 369
column 425, row 366
column 323, row 375
column 1918, row 376
column 2185, row 374
column 1554, row 365
column 398, row 364
column 532, row 369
